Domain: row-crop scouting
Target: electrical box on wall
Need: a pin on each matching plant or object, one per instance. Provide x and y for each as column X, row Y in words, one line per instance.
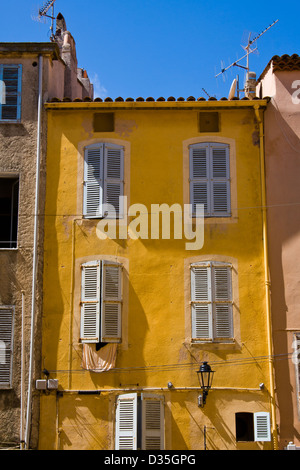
column 41, row 384
column 50, row 384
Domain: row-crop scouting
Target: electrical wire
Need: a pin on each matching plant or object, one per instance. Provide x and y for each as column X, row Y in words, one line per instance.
column 251, row 360
column 233, row 209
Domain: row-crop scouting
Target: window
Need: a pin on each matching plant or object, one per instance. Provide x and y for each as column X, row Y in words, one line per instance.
column 252, row 427
column 9, row 203
column 211, row 301
column 296, row 361
column 103, row 181
column 140, row 422
column 104, row 122
column 101, row 302
column 6, row 346
column 210, row 179
column 10, row 92
column 209, row 121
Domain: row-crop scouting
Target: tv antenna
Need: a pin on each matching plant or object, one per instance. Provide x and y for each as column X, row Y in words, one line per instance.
column 44, row 13
column 206, row 93
column 249, row 49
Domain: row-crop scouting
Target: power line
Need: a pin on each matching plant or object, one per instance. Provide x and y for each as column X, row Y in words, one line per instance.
column 251, row 360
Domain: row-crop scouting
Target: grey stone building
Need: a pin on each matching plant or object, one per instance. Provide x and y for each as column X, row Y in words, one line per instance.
column 30, row 74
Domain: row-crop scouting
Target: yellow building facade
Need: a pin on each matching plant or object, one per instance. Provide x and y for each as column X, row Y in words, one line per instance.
column 134, row 300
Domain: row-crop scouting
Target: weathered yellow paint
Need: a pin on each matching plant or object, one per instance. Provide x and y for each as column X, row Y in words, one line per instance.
column 156, row 343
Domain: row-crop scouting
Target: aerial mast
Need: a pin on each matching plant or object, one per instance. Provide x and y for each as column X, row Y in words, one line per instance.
column 43, row 13
column 249, row 50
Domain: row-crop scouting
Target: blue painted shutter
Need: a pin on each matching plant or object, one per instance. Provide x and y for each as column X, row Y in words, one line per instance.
column 11, row 76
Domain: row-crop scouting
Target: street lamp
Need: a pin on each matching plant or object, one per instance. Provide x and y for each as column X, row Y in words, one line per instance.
column 205, row 377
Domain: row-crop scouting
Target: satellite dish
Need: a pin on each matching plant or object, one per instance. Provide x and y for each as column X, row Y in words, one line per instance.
column 232, row 90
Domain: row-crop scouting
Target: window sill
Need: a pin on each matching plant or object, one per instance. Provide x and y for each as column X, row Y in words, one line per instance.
column 101, row 217
column 222, row 219
column 215, row 345
column 214, row 216
column 9, row 249
column 208, row 341
column 10, row 122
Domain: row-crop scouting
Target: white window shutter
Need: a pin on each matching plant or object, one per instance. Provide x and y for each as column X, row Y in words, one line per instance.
column 220, row 177
column 201, row 286
column 90, row 302
column 93, row 181
column 199, row 177
column 262, row 427
column 222, row 301
column 126, row 422
column 2, row 90
column 6, row 347
column 201, row 301
column 211, row 301
column 152, row 422
column 111, row 305
column 114, row 179
column 200, row 195
column 210, row 178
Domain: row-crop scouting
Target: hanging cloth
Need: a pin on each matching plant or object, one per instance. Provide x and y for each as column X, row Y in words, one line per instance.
column 99, row 361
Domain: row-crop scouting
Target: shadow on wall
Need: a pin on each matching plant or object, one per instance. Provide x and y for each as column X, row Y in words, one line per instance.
column 283, row 174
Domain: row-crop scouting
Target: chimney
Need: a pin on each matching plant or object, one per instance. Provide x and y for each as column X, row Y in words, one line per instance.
column 250, row 85
column 61, row 25
column 76, row 85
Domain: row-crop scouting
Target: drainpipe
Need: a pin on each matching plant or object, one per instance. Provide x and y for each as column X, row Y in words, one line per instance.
column 35, row 257
column 22, row 375
column 267, row 275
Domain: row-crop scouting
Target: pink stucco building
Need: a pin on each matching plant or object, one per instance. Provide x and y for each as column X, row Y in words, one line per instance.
column 281, row 82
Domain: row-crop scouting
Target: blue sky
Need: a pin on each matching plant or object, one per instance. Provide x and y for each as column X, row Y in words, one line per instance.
column 161, row 47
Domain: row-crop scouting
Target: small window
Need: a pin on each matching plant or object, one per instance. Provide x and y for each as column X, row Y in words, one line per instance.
column 103, row 181
column 10, row 92
column 9, row 208
column 253, row 427
column 101, row 302
column 104, row 122
column 210, row 179
column 140, row 422
column 6, row 346
column 244, row 427
column 211, row 301
column 209, row 122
